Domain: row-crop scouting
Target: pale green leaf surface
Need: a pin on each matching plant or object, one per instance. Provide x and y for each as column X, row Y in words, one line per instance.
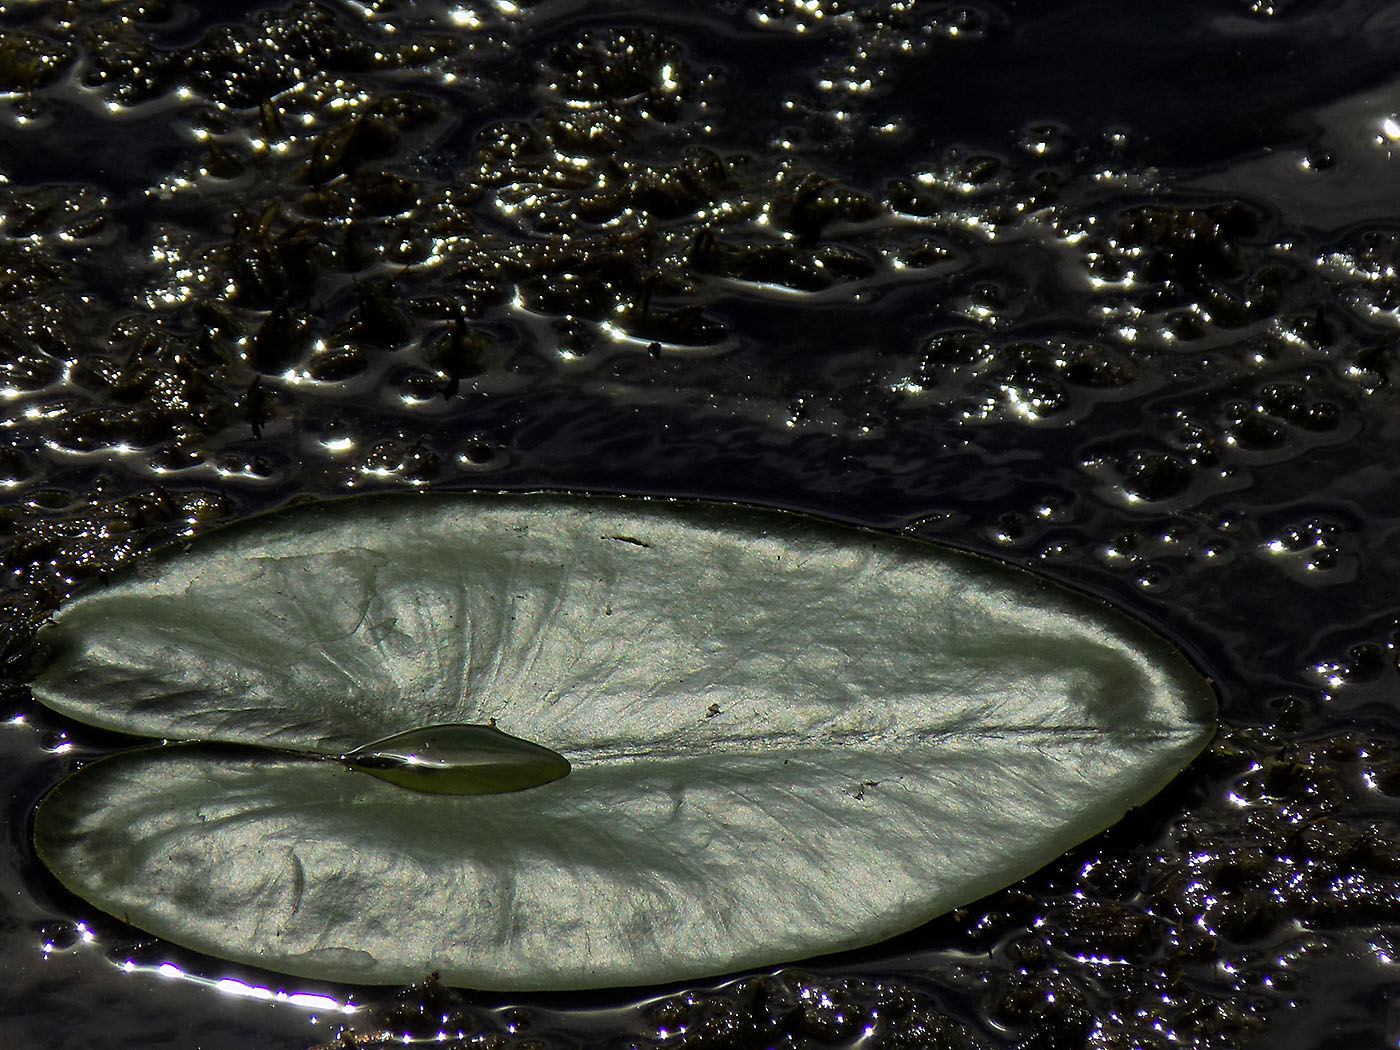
column 901, row 729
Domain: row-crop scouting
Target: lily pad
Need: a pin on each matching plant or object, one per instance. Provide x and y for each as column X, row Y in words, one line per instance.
column 787, row 737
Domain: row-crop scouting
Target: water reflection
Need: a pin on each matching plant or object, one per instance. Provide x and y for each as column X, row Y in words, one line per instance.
column 243, row 989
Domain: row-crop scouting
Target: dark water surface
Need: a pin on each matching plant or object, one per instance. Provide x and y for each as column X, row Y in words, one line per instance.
column 1108, row 290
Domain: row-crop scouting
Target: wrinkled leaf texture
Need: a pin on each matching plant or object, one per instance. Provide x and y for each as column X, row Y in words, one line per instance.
column 788, row 737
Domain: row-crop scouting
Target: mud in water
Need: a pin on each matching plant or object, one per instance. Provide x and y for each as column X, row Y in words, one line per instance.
column 1113, row 294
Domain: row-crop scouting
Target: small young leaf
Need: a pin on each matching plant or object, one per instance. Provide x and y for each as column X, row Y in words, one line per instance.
column 458, row 760
column 787, row 737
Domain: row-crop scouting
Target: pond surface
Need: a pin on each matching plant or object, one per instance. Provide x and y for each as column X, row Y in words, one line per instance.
column 1112, row 295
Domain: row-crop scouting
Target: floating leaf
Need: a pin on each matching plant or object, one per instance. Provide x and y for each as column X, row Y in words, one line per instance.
column 787, row 737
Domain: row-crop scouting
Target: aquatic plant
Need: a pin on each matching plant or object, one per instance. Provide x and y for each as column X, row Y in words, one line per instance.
column 787, row 737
